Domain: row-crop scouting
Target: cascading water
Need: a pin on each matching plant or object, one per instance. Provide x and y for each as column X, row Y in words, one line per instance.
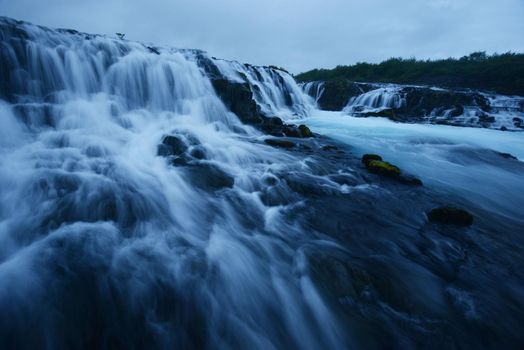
column 274, row 90
column 388, row 96
column 103, row 243
column 314, row 89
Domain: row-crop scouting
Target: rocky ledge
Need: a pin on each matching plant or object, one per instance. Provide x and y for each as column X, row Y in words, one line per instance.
column 420, row 104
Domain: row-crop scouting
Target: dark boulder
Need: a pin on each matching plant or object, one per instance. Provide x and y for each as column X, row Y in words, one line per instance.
column 291, row 131
column 450, row 215
column 410, row 180
column 238, row 98
column 385, row 113
column 337, row 94
column 171, row 146
column 305, row 131
column 507, row 155
column 382, row 168
column 366, row 158
column 209, row 177
column 280, row 143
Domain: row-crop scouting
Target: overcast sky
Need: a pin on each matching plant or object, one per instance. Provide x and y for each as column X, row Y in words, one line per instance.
column 296, row 34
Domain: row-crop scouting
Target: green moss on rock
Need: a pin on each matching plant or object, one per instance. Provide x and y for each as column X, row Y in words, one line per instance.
column 366, row 158
column 383, row 168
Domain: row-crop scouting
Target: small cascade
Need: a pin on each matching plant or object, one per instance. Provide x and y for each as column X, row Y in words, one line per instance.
column 275, row 90
column 314, row 89
column 388, row 96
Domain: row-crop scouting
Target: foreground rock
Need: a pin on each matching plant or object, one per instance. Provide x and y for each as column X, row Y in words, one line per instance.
column 280, row 143
column 383, row 168
column 450, row 215
column 376, row 165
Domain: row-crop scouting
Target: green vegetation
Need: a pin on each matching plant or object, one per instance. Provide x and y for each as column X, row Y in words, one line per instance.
column 382, row 168
column 502, row 73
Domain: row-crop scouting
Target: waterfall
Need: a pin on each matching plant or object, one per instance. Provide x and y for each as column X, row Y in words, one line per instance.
column 314, row 89
column 387, row 96
column 108, row 240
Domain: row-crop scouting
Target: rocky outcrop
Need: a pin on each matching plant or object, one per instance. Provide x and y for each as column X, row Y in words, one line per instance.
column 376, row 165
column 238, row 98
column 450, row 215
column 403, row 103
column 336, row 94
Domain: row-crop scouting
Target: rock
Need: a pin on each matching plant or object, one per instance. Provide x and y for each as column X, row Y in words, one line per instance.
column 337, row 94
column 503, row 128
column 279, row 143
column 305, row 131
column 171, row 146
column 209, row 176
column 198, row 152
column 486, row 119
column 507, row 155
column 238, row 98
column 410, row 180
column 383, row 168
column 291, row 131
column 450, row 215
column 386, row 113
column 366, row 158
column 329, row 148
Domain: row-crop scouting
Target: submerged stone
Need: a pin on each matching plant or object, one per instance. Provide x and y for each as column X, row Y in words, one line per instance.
column 279, row 143
column 450, row 215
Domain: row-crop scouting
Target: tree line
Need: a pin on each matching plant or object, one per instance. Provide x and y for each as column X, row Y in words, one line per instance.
column 501, row 73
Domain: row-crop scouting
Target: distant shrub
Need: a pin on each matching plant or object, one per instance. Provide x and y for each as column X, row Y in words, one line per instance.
column 503, row 73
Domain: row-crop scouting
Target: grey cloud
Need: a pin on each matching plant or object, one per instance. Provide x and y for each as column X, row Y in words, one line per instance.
column 298, row 35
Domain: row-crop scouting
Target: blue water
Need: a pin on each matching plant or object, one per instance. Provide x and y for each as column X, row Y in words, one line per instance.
column 453, row 160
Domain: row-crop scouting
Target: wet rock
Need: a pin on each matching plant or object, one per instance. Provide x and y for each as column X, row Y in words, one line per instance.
column 209, row 176
column 337, row 94
column 410, row 180
column 291, row 131
column 272, row 126
column 279, row 143
column 329, row 148
column 171, row 146
column 383, row 168
column 305, row 131
column 238, row 98
column 385, row 113
column 507, row 155
column 503, row 128
column 450, row 215
column 366, row 158
column 197, row 152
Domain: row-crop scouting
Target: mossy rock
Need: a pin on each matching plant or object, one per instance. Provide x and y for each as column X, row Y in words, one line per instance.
column 305, row 131
column 383, row 168
column 280, row 143
column 366, row 158
column 450, row 215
